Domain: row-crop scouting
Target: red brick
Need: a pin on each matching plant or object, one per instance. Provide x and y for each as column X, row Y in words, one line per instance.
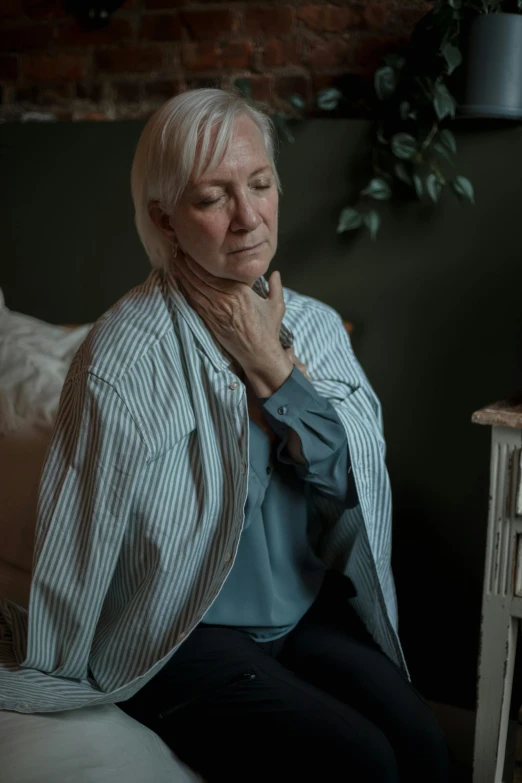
column 329, row 18
column 20, row 39
column 328, row 54
column 44, row 9
column 72, row 34
column 163, row 89
column 8, row 67
column 11, row 9
column 130, row 92
column 261, row 87
column 376, row 15
column 164, row 5
column 56, row 67
column 203, row 25
column 129, row 60
column 203, row 56
column 269, row 21
column 237, row 54
column 277, row 53
column 161, row 27
column 93, row 116
column 405, row 19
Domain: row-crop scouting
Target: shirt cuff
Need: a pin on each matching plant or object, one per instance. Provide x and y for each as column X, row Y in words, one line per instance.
column 288, row 403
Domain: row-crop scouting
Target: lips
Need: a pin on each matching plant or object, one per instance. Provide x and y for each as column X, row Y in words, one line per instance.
column 250, row 247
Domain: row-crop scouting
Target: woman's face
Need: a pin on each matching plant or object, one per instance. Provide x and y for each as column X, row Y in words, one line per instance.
column 227, row 220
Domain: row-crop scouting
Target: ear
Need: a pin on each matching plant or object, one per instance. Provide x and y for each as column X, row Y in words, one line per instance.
column 161, row 220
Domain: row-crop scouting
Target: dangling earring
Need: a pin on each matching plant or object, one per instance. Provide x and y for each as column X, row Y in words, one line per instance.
column 174, row 250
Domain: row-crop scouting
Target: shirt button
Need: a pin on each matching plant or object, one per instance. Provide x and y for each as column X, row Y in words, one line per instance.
column 243, row 468
column 228, row 557
column 24, row 706
column 282, row 410
column 234, row 385
column 181, row 636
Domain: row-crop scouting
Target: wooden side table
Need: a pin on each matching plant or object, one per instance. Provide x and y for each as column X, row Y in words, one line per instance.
column 502, row 591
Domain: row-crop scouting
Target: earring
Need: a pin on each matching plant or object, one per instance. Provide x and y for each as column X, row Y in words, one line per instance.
column 174, row 250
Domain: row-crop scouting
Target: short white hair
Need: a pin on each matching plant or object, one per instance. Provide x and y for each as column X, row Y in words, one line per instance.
column 166, row 153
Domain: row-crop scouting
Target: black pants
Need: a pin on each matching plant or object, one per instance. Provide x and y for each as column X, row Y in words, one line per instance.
column 323, row 703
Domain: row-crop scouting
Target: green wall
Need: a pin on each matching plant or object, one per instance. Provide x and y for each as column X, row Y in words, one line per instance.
column 436, row 304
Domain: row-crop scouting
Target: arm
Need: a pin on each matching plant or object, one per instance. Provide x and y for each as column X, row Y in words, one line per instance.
column 296, row 409
column 85, row 499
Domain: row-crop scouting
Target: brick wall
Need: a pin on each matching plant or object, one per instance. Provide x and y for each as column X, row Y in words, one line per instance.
column 51, row 68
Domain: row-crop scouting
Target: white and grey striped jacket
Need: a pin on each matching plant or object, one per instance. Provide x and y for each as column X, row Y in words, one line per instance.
column 142, row 500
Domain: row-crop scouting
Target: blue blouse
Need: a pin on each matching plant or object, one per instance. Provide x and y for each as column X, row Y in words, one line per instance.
column 276, row 576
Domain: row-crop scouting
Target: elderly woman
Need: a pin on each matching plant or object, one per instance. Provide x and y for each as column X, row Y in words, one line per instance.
column 213, row 539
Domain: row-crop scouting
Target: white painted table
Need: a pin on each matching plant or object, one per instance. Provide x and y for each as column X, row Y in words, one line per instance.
column 502, row 591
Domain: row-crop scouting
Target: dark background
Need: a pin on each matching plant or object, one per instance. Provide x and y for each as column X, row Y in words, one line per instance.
column 436, row 304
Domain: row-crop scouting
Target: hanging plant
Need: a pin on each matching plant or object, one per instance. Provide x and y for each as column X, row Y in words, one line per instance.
column 413, row 152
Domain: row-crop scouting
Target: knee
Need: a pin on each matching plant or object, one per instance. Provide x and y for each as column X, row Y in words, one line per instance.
column 366, row 755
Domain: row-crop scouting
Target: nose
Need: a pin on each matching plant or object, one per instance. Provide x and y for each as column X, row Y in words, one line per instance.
column 245, row 217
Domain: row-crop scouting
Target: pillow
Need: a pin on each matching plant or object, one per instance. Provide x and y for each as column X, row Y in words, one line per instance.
column 100, row 744
column 34, row 359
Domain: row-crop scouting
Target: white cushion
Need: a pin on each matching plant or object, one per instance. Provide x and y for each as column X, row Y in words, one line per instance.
column 34, row 359
column 99, row 744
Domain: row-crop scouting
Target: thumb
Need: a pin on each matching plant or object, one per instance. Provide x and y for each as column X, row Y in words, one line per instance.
column 275, row 287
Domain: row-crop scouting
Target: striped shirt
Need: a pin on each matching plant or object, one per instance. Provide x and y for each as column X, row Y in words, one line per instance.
column 142, row 498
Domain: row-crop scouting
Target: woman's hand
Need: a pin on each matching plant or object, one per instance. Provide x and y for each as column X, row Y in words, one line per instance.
column 245, row 324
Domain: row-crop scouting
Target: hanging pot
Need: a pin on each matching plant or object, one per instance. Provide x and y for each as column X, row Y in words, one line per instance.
column 493, row 84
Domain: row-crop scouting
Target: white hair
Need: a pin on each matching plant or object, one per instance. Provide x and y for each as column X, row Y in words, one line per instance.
column 166, row 153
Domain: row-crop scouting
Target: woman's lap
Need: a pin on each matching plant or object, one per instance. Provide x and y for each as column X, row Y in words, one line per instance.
column 323, row 700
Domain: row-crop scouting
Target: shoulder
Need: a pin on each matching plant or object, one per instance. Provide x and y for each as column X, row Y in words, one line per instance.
column 133, row 349
column 125, row 334
column 305, row 312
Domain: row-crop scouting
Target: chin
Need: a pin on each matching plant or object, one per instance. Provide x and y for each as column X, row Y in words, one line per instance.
column 249, row 269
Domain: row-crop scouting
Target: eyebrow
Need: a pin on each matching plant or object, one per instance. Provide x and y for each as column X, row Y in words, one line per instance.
column 224, row 181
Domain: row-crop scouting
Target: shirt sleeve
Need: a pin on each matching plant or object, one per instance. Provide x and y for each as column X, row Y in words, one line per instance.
column 297, row 406
column 86, row 492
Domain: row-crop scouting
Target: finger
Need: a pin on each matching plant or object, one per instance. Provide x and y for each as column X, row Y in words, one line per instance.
column 275, row 286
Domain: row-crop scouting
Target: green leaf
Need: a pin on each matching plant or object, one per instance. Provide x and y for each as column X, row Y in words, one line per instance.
column 296, row 101
column 452, row 56
column 394, row 60
column 443, row 102
column 442, row 152
column 243, row 85
column 385, row 82
column 434, row 187
column 328, row 98
column 349, row 220
column 282, row 126
column 419, row 188
column 372, row 221
column 463, row 188
column 377, row 189
column 402, row 173
column 448, row 139
column 404, row 146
